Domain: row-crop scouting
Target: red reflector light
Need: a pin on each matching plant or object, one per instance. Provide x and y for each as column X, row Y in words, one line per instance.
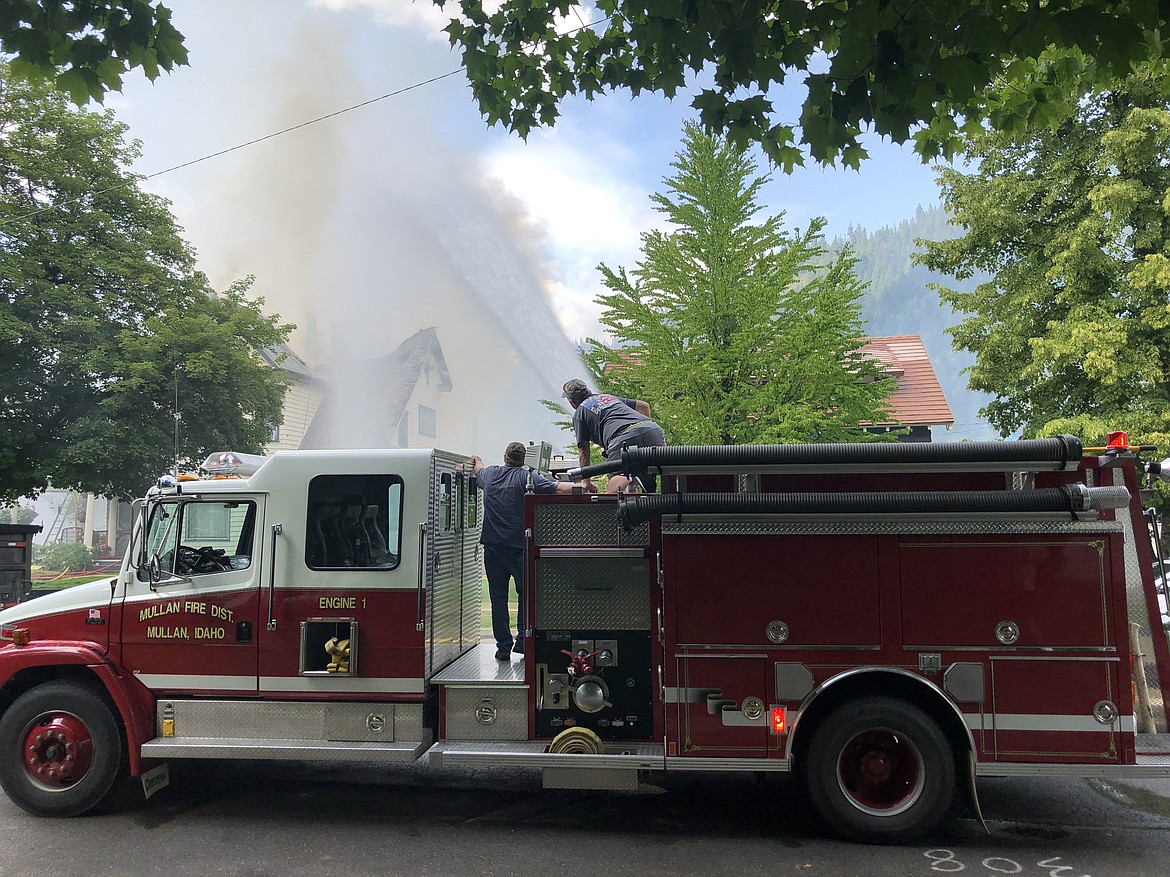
column 779, row 724
column 1118, row 440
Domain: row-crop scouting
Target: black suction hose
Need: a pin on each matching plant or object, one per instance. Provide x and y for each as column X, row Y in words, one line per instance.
column 1067, row 498
column 1061, row 452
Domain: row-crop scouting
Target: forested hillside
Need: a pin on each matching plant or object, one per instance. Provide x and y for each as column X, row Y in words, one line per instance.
column 900, row 302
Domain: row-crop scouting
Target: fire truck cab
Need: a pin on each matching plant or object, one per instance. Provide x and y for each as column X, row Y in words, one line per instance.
column 888, row 621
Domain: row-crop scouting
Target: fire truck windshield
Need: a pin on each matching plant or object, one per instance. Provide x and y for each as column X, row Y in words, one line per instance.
column 200, row 537
column 163, row 517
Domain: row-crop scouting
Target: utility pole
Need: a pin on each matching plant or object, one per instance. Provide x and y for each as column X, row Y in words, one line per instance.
column 178, row 416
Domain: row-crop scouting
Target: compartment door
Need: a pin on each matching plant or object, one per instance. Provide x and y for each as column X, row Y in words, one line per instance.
column 723, row 713
column 1045, row 709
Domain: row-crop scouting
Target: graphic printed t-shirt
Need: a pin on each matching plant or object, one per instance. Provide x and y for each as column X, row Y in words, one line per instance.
column 601, row 417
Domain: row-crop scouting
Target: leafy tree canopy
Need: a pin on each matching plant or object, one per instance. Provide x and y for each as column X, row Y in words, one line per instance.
column 899, row 68
column 736, row 330
column 1072, row 331
column 88, row 45
column 104, row 319
column 17, row 514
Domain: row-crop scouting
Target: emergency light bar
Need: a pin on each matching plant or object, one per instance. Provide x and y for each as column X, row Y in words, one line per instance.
column 228, row 463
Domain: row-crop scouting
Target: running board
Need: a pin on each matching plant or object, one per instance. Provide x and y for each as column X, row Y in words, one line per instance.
column 320, row 731
column 1153, row 762
column 284, row 750
column 1147, row 767
column 640, row 756
column 1152, row 745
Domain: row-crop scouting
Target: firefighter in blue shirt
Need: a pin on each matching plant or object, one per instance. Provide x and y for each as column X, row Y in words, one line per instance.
column 502, row 536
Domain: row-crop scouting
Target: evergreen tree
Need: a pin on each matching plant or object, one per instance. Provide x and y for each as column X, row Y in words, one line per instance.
column 735, row 330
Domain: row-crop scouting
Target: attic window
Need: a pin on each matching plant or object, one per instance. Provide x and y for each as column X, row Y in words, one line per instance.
column 428, row 422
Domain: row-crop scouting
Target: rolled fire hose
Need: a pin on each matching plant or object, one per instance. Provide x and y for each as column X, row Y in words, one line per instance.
column 576, row 741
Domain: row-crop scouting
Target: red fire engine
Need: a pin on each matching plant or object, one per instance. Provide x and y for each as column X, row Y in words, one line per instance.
column 888, row 621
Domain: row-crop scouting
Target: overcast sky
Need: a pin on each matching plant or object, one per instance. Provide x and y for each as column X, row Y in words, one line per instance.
column 291, row 208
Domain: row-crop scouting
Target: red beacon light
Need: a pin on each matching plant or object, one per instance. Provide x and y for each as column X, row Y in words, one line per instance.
column 229, row 464
column 1116, row 441
column 779, row 721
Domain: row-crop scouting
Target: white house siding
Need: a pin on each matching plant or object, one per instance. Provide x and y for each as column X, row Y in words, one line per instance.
column 300, row 406
column 427, row 394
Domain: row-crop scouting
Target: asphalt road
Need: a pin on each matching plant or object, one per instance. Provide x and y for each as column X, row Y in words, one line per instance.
column 257, row 818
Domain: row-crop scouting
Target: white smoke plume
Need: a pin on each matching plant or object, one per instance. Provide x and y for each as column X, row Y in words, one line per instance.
column 366, row 228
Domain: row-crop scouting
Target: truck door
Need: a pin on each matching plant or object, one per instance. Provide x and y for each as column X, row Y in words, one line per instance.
column 190, row 626
column 342, row 600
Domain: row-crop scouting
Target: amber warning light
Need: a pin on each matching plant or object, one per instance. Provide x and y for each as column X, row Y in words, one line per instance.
column 779, row 724
column 18, row 636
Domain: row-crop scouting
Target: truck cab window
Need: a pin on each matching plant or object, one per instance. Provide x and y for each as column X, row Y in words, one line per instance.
column 195, row 538
column 354, row 522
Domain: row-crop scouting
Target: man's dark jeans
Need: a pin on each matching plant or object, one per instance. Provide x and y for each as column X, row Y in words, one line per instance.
column 502, row 563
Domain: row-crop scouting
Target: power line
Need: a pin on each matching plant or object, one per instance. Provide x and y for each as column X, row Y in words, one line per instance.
column 270, row 136
column 238, row 146
column 300, row 125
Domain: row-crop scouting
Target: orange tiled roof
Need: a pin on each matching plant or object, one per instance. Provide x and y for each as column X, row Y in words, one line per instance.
column 918, row 399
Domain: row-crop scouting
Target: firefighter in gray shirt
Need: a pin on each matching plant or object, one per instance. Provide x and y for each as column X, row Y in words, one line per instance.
column 614, row 423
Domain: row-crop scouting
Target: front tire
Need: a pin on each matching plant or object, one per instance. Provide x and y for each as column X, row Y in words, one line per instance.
column 60, row 750
column 880, row 770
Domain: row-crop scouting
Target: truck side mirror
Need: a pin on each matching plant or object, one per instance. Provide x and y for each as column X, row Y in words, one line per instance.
column 153, row 570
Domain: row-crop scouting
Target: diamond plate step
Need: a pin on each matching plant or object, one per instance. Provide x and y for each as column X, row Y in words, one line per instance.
column 284, row 750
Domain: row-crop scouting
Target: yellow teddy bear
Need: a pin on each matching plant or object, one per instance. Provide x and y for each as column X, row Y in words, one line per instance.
column 338, row 650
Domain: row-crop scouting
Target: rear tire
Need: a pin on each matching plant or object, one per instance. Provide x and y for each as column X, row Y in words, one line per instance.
column 60, row 750
column 880, row 770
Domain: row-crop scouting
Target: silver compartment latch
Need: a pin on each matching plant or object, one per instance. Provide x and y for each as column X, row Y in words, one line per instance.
column 776, row 631
column 1007, row 632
